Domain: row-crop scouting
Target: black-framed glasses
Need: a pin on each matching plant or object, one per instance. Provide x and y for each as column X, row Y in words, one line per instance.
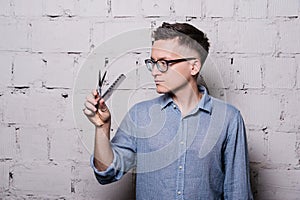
column 163, row 65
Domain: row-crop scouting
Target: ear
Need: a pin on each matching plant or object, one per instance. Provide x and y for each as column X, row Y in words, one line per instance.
column 196, row 66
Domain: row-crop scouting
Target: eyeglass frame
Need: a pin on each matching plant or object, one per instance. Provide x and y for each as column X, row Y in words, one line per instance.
column 168, row 62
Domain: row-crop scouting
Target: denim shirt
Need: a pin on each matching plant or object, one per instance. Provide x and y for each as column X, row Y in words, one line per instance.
column 202, row 155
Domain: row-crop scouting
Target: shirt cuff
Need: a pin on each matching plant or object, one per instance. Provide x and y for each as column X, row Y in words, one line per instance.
column 110, row 169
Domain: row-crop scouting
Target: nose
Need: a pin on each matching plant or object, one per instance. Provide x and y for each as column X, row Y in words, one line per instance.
column 155, row 71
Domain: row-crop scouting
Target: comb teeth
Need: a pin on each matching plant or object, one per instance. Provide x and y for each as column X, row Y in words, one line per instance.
column 113, row 86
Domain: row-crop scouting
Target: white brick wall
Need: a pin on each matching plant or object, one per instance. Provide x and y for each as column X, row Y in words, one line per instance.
column 54, row 36
column 253, row 36
column 219, row 8
column 279, row 8
column 252, row 9
column 254, row 64
column 16, row 34
column 288, row 32
column 280, row 73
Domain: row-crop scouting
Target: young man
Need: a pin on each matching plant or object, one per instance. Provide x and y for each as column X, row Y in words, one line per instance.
column 184, row 144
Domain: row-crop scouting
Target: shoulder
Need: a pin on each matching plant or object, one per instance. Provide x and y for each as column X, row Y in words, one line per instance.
column 147, row 104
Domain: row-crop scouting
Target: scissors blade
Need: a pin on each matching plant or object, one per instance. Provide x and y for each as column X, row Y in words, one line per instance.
column 103, row 78
column 99, row 84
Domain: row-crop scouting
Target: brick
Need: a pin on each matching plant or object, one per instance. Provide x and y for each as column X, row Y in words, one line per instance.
column 280, row 73
column 282, row 148
column 19, row 103
column 15, row 35
column 120, row 8
column 117, row 28
column 63, row 145
column 243, row 37
column 6, row 69
column 86, row 139
column 59, row 40
column 5, row 8
column 298, row 72
column 257, row 146
column 289, row 41
column 28, row 70
column 247, row 72
column 98, row 32
column 33, row 143
column 59, row 8
column 217, row 71
column 4, row 177
column 191, row 8
column 252, row 9
column 290, row 117
column 279, row 8
column 91, row 8
column 7, row 143
column 218, row 8
column 156, row 8
column 88, row 188
column 258, row 109
column 28, row 8
column 67, row 114
column 59, row 70
column 144, row 77
column 130, row 70
column 32, row 107
column 42, row 178
column 44, row 103
column 278, row 184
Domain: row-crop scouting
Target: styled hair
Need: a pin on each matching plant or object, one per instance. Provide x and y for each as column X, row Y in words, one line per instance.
column 187, row 35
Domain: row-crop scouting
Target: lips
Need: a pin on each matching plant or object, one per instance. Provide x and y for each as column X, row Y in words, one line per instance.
column 158, row 81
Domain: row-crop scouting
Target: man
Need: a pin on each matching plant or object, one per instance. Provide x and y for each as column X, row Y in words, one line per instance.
column 184, row 144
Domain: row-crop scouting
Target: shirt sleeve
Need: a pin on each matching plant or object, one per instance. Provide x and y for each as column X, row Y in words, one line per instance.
column 237, row 179
column 124, row 151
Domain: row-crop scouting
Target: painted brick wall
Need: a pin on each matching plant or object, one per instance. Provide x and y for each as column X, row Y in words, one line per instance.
column 254, row 64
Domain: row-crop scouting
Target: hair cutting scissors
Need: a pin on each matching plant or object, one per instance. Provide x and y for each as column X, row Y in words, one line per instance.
column 105, row 95
column 100, row 82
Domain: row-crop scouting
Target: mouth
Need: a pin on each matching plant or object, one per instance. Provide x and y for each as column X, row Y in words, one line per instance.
column 158, row 81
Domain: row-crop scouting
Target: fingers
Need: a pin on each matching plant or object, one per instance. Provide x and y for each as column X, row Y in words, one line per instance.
column 88, row 112
column 102, row 106
column 94, row 103
column 92, row 99
column 94, row 93
column 90, row 104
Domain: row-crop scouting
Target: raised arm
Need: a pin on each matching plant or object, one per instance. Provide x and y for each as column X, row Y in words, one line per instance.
column 98, row 113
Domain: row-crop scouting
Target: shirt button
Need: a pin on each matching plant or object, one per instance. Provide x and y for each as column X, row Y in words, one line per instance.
column 181, row 142
column 180, row 167
column 174, row 106
column 179, row 193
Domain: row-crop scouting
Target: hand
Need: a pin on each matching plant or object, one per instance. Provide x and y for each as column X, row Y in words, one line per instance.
column 100, row 115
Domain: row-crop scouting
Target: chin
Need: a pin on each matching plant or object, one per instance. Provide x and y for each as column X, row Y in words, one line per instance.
column 161, row 90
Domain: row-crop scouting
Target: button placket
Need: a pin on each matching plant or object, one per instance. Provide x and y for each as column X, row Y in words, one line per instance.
column 181, row 160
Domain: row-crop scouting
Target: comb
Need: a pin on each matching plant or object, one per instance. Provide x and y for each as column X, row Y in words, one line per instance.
column 113, row 86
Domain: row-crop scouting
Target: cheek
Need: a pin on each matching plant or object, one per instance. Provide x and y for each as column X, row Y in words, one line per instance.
column 178, row 75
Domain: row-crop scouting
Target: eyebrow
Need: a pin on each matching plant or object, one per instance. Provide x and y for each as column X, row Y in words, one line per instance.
column 163, row 58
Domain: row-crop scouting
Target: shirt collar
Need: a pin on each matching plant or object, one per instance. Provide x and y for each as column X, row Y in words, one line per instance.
column 204, row 104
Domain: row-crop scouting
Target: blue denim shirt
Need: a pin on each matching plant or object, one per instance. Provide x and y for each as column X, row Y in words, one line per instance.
column 202, row 155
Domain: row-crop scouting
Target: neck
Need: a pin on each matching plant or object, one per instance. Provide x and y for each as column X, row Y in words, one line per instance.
column 187, row 98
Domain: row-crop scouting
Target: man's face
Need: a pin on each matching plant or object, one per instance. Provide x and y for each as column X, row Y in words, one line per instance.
column 179, row 75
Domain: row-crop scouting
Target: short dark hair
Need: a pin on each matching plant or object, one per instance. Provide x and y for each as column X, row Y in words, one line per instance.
column 187, row 35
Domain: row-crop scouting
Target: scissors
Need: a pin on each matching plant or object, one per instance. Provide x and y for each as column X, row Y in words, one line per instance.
column 100, row 83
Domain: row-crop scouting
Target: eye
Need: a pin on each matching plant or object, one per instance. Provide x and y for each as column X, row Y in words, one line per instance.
column 163, row 63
